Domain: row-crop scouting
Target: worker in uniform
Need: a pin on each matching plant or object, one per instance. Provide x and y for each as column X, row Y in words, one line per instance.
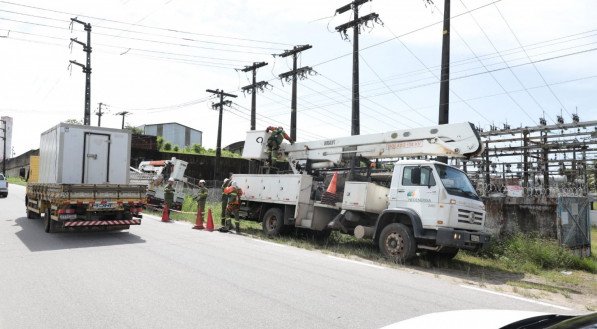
column 224, row 201
column 169, row 193
column 275, row 139
column 201, row 198
column 234, row 193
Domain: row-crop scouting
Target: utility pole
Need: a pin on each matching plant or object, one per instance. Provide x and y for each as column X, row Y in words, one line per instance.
column 444, row 86
column 219, row 105
column 3, row 147
column 123, row 113
column 302, row 72
column 99, row 114
column 252, row 89
column 355, row 24
column 86, row 68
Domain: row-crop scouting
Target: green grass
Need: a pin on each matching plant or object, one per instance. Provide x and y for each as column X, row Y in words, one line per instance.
column 16, row 180
column 531, row 254
column 516, row 254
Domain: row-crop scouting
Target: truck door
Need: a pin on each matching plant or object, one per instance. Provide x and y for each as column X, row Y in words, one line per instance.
column 419, row 193
column 96, row 160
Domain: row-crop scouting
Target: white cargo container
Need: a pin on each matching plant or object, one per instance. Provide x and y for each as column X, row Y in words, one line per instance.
column 76, row 154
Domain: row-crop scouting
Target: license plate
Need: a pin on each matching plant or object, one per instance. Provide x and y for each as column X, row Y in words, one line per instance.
column 475, row 238
column 68, row 216
column 107, row 205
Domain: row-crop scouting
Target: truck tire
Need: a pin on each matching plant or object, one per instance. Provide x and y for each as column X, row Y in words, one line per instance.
column 32, row 214
column 397, row 243
column 47, row 220
column 273, row 222
column 51, row 226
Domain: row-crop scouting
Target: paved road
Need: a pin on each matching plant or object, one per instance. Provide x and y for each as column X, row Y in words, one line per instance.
column 165, row 275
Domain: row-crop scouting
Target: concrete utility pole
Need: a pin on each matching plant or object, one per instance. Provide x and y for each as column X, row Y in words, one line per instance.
column 3, row 147
column 252, row 89
column 86, row 68
column 302, row 72
column 355, row 24
column 444, row 86
column 219, row 105
column 99, row 114
column 123, row 113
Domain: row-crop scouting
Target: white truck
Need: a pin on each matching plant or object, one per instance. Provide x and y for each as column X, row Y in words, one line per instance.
column 84, row 180
column 162, row 171
column 418, row 205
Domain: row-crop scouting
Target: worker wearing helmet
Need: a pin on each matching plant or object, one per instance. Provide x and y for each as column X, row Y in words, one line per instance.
column 201, row 198
column 169, row 193
column 276, row 138
column 234, row 193
column 224, row 201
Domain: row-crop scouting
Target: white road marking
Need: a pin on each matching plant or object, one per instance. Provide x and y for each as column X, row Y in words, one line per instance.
column 356, row 262
column 516, row 297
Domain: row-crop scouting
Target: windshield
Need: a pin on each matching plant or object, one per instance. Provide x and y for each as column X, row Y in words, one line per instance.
column 456, row 182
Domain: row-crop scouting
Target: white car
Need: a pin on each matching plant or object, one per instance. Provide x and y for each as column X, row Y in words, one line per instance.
column 489, row 319
column 3, row 186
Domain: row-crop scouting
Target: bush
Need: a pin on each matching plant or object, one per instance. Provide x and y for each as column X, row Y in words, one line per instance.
column 175, row 148
column 532, row 253
column 167, row 146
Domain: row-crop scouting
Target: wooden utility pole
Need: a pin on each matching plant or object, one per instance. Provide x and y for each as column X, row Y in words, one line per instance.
column 355, row 24
column 252, row 89
column 302, row 72
column 219, row 106
column 99, row 114
column 123, row 113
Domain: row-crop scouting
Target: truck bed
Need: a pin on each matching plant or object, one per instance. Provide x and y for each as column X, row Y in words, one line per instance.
column 83, row 192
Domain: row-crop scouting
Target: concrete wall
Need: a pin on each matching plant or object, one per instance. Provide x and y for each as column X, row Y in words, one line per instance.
column 526, row 215
column 19, row 164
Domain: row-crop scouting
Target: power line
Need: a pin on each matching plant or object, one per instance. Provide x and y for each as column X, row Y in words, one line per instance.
column 534, row 66
column 146, row 26
column 407, row 33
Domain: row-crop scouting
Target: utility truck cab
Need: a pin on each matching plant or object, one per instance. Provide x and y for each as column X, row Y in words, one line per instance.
column 450, row 212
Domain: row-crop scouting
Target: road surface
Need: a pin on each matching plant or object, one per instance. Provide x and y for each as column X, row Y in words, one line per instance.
column 166, row 275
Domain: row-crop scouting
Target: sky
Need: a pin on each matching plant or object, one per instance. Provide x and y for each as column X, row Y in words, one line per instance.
column 512, row 61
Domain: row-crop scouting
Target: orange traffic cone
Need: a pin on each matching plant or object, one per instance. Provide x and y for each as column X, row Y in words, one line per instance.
column 329, row 196
column 165, row 213
column 210, row 221
column 332, row 186
column 199, row 222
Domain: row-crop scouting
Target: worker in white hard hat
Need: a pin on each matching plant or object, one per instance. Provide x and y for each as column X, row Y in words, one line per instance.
column 224, row 201
column 201, row 198
column 233, row 192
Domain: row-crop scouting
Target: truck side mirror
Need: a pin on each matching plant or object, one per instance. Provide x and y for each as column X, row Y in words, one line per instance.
column 415, row 176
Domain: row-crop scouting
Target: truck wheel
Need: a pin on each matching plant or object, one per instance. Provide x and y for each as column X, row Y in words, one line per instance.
column 397, row 243
column 47, row 220
column 32, row 214
column 51, row 226
column 273, row 222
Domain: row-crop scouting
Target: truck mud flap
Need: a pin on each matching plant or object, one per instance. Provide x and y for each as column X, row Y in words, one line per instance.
column 84, row 223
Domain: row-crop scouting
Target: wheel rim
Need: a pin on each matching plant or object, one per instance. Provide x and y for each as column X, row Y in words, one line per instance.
column 395, row 244
column 272, row 222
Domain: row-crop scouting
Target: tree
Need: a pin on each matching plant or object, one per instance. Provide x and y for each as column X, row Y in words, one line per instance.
column 133, row 130
column 197, row 148
column 160, row 142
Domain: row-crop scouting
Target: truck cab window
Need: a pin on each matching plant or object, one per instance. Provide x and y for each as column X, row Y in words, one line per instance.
column 426, row 176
